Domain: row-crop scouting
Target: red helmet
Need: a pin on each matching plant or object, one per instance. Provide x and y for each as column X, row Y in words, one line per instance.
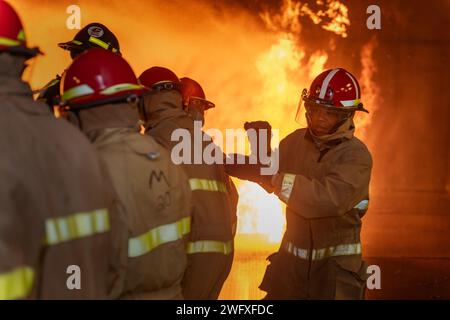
column 12, row 36
column 193, row 95
column 98, row 77
column 159, row 78
column 335, row 88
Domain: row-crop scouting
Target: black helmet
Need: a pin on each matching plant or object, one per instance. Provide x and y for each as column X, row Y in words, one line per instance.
column 92, row 36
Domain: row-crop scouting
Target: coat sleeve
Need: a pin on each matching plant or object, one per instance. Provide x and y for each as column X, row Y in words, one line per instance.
column 17, row 275
column 339, row 190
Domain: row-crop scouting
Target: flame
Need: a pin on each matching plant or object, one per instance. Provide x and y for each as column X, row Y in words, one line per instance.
column 369, row 88
column 333, row 16
column 251, row 70
column 259, row 213
column 286, row 19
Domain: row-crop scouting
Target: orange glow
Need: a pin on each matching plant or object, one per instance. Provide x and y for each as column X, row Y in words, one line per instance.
column 250, row 73
column 368, row 86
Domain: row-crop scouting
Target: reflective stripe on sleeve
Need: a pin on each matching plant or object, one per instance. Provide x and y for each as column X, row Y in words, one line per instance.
column 16, row 284
column 363, row 205
column 286, row 186
column 76, row 226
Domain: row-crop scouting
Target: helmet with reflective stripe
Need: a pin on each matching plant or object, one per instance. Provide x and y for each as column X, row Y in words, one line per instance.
column 12, row 35
column 159, row 78
column 94, row 35
column 98, row 77
column 335, row 88
column 192, row 92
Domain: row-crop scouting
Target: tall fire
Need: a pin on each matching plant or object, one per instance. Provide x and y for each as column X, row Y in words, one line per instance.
column 253, row 64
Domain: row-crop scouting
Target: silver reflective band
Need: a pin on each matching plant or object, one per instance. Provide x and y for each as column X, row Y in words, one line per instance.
column 76, row 226
column 363, row 205
column 298, row 252
column 286, row 186
column 319, row 254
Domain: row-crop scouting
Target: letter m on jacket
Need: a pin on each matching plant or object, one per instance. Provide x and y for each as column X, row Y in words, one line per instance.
column 158, row 176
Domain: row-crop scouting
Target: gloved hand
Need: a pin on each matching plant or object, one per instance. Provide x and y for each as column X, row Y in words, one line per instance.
column 249, row 172
column 258, row 142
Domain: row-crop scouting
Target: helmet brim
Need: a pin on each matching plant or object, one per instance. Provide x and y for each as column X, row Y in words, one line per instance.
column 70, row 45
column 24, row 51
column 323, row 103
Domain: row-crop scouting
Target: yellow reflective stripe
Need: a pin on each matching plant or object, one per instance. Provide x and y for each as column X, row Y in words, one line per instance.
column 9, row 42
column 120, row 87
column 210, row 246
column 363, row 205
column 21, row 36
column 79, row 43
column 16, row 284
column 78, row 91
column 155, row 237
column 76, row 226
column 99, row 42
column 207, row 185
column 286, row 186
column 319, row 254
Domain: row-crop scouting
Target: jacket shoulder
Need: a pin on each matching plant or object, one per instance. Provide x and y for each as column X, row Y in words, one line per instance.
column 294, row 136
column 355, row 147
column 143, row 144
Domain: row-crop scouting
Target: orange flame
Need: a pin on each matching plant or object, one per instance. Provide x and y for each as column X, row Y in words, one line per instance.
column 369, row 88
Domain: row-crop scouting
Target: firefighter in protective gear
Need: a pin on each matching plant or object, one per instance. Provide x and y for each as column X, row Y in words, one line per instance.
column 94, row 35
column 101, row 90
column 55, row 208
column 211, row 247
column 323, row 178
column 195, row 103
column 194, row 99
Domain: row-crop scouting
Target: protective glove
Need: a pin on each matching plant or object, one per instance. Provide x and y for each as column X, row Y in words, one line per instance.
column 259, row 139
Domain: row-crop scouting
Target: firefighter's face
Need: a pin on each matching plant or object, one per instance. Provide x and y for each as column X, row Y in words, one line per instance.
column 198, row 107
column 197, row 115
column 323, row 120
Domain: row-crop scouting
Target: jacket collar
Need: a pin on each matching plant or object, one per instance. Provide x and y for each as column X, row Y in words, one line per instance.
column 96, row 121
column 163, row 106
column 15, row 88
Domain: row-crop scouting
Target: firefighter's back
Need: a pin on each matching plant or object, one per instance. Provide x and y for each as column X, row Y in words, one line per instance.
column 156, row 199
column 68, row 206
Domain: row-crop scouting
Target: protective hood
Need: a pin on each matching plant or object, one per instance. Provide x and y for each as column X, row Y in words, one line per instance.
column 162, row 106
column 344, row 132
